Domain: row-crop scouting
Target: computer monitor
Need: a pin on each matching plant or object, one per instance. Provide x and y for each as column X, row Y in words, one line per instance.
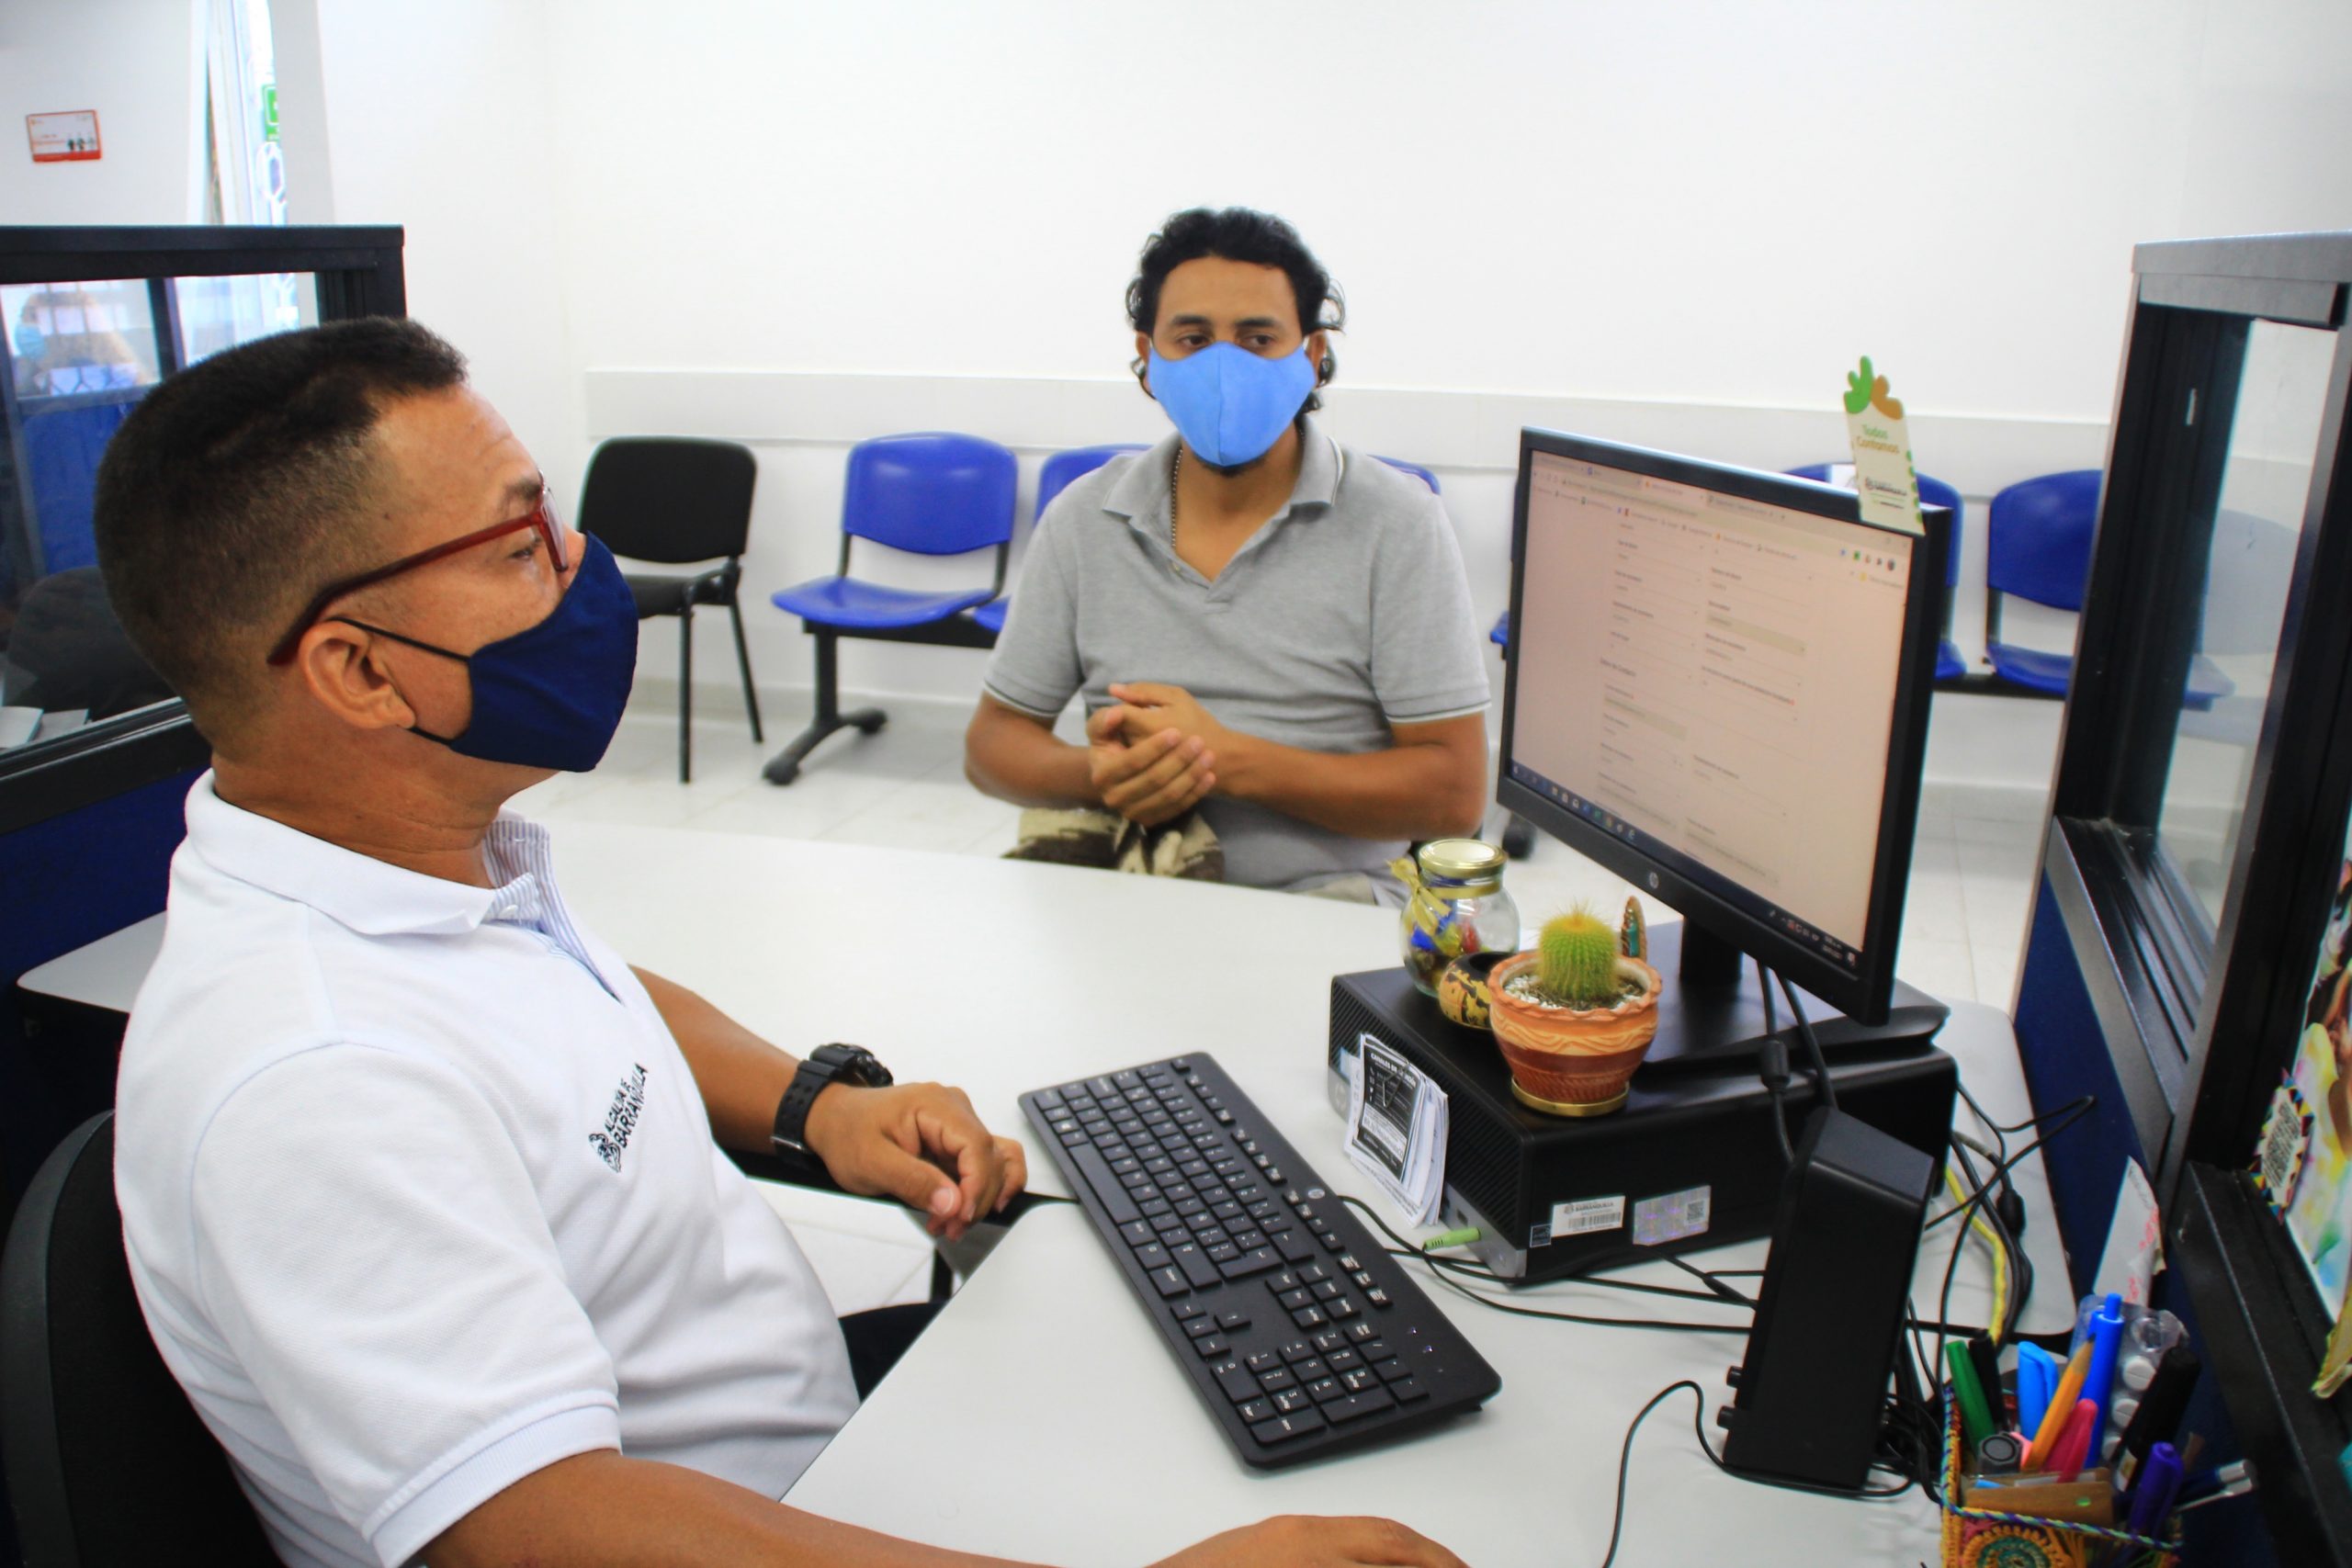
column 1717, row 688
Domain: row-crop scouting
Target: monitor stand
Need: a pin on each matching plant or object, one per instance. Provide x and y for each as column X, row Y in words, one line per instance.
column 1713, row 1011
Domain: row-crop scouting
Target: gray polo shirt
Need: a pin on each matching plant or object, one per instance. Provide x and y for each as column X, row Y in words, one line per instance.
column 1346, row 613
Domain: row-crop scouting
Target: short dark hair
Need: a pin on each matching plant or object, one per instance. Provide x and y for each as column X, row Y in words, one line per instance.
column 1242, row 234
column 231, row 491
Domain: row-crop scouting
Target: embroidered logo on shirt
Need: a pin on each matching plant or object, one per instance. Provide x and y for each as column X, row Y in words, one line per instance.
column 628, row 1102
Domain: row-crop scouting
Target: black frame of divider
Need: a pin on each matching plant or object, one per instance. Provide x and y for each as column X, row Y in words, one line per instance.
column 357, row 273
column 2199, row 1023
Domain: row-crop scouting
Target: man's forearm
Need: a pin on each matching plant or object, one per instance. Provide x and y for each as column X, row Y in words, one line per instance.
column 741, row 1076
column 1013, row 757
column 600, row 1510
column 1421, row 791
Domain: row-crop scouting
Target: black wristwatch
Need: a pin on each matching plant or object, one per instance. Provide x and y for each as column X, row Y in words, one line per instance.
column 825, row 1066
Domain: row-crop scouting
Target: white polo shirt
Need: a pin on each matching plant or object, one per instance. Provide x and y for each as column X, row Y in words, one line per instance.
column 420, row 1198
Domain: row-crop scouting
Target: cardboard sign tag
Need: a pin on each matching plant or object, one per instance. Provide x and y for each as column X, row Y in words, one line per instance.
column 1881, row 445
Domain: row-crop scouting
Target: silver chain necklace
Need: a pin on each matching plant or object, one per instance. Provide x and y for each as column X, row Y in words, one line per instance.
column 1175, row 463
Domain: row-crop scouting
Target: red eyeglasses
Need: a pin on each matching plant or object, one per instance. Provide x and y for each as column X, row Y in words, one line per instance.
column 541, row 517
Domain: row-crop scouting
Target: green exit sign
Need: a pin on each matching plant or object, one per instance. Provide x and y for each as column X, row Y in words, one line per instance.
column 269, row 111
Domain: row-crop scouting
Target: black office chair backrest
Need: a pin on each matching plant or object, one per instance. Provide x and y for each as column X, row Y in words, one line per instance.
column 107, row 1461
column 669, row 500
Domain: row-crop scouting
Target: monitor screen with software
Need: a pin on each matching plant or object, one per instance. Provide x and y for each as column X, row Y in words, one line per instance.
column 1717, row 688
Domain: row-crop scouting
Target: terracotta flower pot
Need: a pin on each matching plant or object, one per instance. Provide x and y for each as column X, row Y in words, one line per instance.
column 1568, row 1062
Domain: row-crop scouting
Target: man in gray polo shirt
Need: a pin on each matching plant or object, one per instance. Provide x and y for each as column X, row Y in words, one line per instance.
column 1265, row 624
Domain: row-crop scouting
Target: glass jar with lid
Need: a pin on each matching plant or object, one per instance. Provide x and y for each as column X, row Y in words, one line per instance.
column 1456, row 906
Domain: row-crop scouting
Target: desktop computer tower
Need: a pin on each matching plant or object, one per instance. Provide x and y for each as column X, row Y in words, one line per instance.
column 1690, row 1161
column 1810, row 1397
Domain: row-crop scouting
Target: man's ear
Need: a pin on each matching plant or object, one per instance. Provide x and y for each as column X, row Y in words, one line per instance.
column 342, row 668
column 1318, row 354
column 1142, row 366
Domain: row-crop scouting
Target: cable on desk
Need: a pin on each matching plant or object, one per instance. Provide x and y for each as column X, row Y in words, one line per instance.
column 1698, row 1431
column 1812, row 1042
column 1443, row 1269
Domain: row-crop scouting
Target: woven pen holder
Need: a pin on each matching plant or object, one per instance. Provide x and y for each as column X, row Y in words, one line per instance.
column 1989, row 1538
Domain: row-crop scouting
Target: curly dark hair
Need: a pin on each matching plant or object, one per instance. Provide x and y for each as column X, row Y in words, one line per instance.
column 1242, row 234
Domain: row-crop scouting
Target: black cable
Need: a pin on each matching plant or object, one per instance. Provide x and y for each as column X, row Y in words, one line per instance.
column 2074, row 1112
column 1445, row 1275
column 1464, row 1266
column 1698, row 1431
column 1812, row 1042
column 1712, row 1284
column 1781, row 1126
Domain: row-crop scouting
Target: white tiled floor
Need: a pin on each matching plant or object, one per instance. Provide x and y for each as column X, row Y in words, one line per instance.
column 1972, row 874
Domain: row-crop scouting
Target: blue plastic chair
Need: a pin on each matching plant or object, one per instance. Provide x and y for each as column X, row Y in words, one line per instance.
column 1950, row 665
column 2038, row 547
column 1417, row 471
column 934, row 495
column 1056, row 477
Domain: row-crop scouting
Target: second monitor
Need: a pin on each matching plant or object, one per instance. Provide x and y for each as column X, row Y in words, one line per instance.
column 1717, row 687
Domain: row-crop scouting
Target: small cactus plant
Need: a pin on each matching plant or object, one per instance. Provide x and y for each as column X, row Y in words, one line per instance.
column 1577, row 961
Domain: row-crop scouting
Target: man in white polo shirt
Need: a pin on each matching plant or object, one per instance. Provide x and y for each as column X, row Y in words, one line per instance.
column 422, row 1185
column 1261, row 623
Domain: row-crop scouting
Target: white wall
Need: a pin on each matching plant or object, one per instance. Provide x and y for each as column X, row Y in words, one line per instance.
column 141, row 64
column 800, row 223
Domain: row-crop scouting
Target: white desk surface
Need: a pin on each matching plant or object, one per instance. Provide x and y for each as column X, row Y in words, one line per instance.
column 1041, row 1404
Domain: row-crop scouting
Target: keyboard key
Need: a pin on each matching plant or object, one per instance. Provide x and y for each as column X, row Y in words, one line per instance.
column 1262, row 1362
column 1256, row 1261
column 1344, row 1361
column 1213, row 1346
column 1186, row 1311
column 1257, row 1410
column 1169, row 1281
column 1232, row 1319
column 1362, row 1278
column 1379, row 1298
column 1222, row 1253
column 1295, row 1351
column 1331, row 1241
column 1360, row 1332
column 1326, row 1289
column 1135, row 1233
column 1280, row 1379
column 1391, row 1370
column 1341, row 1310
column 1200, row 1328
column 1309, row 1317
column 1294, row 1246
column 1314, row 1274
column 1312, row 1367
column 1359, row 1379
column 1238, row 1385
column 1324, row 1390
column 1291, row 1401
column 1248, row 1240
column 1291, row 1301
column 1330, row 1340
column 1283, row 1428
column 1356, row 1405
column 1197, row 1269
column 1152, row 1256
column 1407, row 1391
column 1284, row 1281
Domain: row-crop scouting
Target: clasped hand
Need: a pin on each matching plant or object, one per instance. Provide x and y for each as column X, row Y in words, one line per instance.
column 921, row 1144
column 1152, row 754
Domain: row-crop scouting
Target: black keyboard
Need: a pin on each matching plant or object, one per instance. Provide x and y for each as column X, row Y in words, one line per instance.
column 1300, row 1334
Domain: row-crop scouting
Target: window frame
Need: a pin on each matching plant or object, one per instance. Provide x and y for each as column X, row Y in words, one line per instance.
column 2197, row 1034
column 358, row 272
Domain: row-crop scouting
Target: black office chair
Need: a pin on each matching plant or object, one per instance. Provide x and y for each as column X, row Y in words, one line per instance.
column 107, row 1461
column 671, row 500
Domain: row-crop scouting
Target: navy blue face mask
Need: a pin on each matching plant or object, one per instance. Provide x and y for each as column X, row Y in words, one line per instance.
column 550, row 697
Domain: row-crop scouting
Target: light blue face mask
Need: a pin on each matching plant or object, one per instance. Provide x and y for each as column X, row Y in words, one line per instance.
column 1231, row 405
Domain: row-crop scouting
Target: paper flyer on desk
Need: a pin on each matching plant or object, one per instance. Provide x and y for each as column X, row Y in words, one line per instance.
column 1396, row 1126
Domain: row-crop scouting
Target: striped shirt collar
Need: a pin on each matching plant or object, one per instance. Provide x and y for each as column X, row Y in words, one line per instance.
column 374, row 897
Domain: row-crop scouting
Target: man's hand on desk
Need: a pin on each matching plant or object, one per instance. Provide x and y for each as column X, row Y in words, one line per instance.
column 920, row 1144
column 1301, row 1541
